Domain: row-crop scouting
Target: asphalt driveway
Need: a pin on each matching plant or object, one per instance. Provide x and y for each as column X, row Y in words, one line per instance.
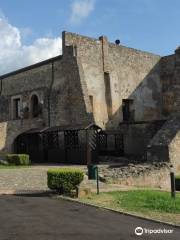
column 44, row 218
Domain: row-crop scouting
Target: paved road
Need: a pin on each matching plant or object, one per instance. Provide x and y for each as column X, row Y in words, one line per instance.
column 44, row 218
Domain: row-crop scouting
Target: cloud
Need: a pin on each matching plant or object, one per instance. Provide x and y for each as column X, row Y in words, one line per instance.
column 26, row 32
column 14, row 55
column 81, row 9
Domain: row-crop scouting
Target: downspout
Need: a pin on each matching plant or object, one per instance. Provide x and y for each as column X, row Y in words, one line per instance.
column 49, row 94
column 0, row 86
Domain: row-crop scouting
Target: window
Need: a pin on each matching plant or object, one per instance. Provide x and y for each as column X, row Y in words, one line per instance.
column 16, row 108
column 35, row 107
column 127, row 109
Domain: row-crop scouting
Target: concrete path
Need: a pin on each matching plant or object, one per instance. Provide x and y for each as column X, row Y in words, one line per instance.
column 37, row 218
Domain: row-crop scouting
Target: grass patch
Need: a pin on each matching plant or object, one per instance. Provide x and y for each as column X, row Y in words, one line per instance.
column 148, row 203
column 148, row 200
column 13, row 166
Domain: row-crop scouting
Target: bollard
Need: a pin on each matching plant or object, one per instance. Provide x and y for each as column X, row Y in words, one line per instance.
column 173, row 185
column 92, row 172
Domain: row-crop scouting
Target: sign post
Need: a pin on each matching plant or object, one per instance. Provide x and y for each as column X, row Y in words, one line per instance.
column 173, row 185
column 97, row 172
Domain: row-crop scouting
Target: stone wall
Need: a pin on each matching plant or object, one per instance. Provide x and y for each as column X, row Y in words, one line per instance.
column 155, row 175
column 133, row 74
column 23, row 83
column 61, row 90
column 165, row 145
column 69, row 104
column 170, row 75
column 151, row 81
column 137, row 136
column 88, row 83
column 11, row 129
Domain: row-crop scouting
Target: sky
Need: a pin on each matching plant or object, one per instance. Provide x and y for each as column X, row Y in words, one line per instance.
column 30, row 30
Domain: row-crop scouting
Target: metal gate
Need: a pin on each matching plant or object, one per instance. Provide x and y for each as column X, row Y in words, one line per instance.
column 111, row 143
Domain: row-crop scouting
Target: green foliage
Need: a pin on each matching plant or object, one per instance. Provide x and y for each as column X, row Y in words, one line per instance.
column 18, row 159
column 148, row 200
column 142, row 201
column 177, row 177
column 3, row 154
column 64, row 180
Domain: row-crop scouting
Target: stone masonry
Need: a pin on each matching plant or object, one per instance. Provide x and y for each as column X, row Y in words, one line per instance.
column 89, row 83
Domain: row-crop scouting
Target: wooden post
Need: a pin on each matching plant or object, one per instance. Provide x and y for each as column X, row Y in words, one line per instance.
column 97, row 172
column 88, row 150
column 173, row 186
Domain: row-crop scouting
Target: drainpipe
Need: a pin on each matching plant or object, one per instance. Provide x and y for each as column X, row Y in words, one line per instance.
column 0, row 86
column 49, row 94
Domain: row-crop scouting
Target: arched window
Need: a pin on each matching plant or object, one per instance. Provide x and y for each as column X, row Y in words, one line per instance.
column 35, row 108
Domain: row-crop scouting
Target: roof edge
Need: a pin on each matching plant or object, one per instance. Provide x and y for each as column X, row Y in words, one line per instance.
column 30, row 67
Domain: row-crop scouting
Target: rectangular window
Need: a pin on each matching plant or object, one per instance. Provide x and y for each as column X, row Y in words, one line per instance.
column 16, row 107
column 128, row 110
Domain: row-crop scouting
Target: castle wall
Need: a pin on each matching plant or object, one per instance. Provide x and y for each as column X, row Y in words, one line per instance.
column 89, row 55
column 168, row 65
column 133, row 74
column 36, row 80
column 69, row 105
column 88, row 83
column 59, row 85
column 23, row 85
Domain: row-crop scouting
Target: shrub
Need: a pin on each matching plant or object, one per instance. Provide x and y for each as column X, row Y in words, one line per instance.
column 64, row 180
column 18, row 159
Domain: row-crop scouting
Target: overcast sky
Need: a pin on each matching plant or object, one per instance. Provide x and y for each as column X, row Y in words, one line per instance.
column 30, row 31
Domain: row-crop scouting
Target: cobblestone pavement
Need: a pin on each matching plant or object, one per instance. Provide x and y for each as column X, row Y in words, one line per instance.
column 32, row 178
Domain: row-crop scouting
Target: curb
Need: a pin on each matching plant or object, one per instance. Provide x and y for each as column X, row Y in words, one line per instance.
column 116, row 211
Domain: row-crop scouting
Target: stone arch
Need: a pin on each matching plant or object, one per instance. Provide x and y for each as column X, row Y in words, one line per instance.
column 20, row 144
column 12, row 138
column 29, row 142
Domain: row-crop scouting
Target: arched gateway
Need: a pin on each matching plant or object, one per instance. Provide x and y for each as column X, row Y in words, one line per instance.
column 31, row 143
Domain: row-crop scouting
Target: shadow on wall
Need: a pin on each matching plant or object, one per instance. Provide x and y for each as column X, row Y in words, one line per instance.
column 146, row 104
column 165, row 145
column 149, row 133
column 137, row 112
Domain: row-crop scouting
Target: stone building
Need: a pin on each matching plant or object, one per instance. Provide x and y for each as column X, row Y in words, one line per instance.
column 95, row 81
